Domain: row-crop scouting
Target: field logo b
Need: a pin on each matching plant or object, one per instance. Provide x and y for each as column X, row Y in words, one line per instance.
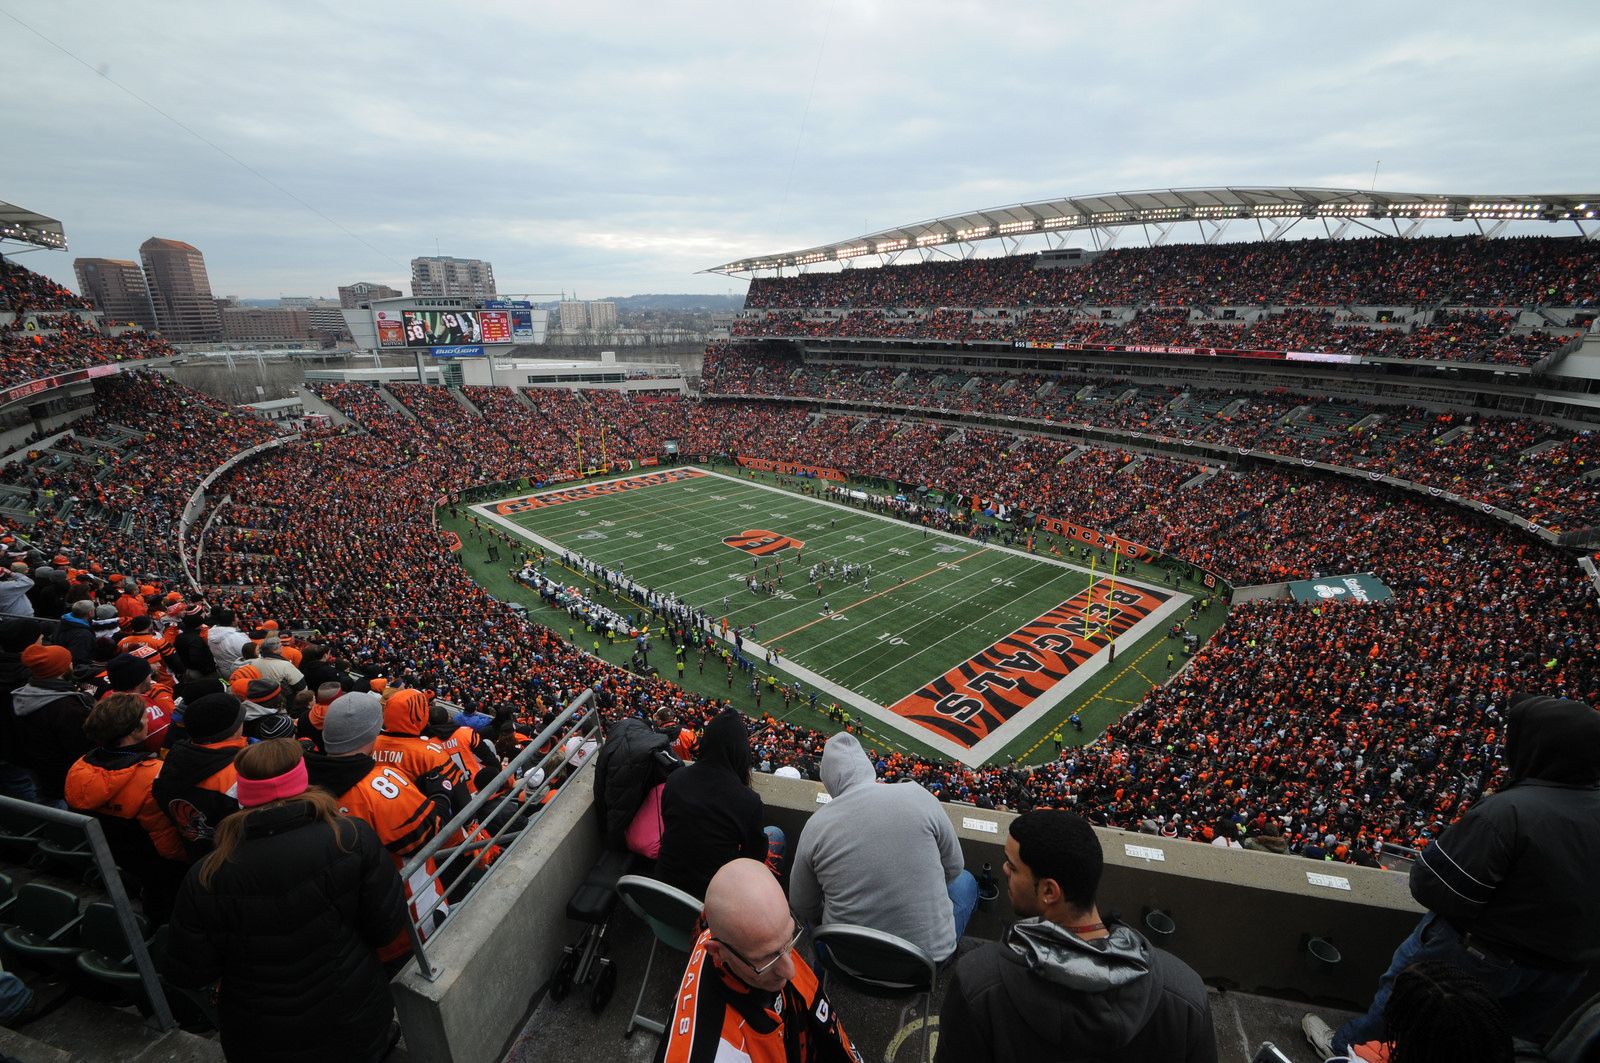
column 761, row 542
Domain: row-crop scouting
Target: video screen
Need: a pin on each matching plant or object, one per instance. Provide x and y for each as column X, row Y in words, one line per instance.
column 441, row 328
column 495, row 326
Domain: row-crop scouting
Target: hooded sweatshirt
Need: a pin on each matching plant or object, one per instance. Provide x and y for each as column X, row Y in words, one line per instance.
column 1518, row 870
column 1044, row 993
column 877, row 855
column 197, row 788
column 50, row 716
column 709, row 814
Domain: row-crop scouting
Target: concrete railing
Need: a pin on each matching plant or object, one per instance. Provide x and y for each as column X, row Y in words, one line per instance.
column 1242, row 919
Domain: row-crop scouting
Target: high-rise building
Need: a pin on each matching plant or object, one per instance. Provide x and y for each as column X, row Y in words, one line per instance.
column 116, row 288
column 575, row 315
column 327, row 322
column 353, row 295
column 244, row 324
column 186, row 311
column 468, row 278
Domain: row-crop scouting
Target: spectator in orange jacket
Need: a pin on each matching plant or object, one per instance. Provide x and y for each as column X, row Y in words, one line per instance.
column 113, row 783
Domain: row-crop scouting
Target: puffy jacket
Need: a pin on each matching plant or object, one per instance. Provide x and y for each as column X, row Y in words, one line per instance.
column 77, row 636
column 1044, row 993
column 197, row 789
column 629, row 764
column 290, row 926
column 1518, row 870
column 116, row 783
column 709, row 814
column 50, row 715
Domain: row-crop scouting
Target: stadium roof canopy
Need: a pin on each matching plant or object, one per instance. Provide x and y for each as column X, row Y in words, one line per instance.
column 29, row 227
column 1275, row 211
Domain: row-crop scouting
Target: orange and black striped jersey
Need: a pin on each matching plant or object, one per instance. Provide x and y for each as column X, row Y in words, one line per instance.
column 425, row 762
column 720, row 1020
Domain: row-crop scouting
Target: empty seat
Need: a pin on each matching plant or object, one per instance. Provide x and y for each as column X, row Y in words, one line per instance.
column 107, row 960
column 673, row 917
column 46, row 930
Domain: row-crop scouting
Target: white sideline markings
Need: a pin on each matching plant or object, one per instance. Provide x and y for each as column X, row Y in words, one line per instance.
column 997, row 739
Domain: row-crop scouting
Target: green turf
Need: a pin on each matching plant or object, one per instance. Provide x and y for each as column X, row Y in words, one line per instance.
column 918, row 618
column 934, row 601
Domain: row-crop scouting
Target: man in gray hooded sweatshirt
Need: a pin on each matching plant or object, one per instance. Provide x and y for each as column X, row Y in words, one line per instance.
column 1062, row 984
column 881, row 856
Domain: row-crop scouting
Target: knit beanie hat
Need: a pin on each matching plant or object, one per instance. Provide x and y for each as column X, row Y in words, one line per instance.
column 47, row 662
column 213, row 717
column 127, row 671
column 352, row 720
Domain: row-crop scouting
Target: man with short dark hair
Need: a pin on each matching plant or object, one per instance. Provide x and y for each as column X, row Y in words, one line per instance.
column 1062, row 984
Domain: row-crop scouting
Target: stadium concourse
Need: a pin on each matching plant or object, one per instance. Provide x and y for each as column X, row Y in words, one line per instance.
column 1340, row 726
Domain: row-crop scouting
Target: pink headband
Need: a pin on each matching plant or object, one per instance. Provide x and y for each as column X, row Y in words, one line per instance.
column 292, row 783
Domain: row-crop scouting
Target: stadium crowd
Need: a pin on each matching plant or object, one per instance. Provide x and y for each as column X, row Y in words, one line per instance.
column 302, row 545
column 1324, row 731
column 1452, row 271
column 1532, row 468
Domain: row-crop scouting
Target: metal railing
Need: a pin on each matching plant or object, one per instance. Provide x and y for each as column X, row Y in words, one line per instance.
column 496, row 816
column 107, row 867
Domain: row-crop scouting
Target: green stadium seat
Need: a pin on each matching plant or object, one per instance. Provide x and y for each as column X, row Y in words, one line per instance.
column 107, row 960
column 46, row 930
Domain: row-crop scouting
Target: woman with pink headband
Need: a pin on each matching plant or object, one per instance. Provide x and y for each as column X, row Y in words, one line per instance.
column 287, row 913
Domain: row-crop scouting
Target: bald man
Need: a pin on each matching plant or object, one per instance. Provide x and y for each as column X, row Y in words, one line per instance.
column 747, row 995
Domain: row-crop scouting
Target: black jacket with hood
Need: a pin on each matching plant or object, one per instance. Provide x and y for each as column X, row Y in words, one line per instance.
column 709, row 814
column 1518, row 871
column 50, row 714
column 1042, row 993
column 635, row 758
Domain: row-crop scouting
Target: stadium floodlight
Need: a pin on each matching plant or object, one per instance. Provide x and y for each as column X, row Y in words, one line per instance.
column 20, row 225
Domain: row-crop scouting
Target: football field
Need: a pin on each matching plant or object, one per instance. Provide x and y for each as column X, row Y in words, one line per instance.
column 958, row 644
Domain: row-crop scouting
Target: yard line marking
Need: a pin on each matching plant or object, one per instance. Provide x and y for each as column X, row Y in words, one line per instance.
column 905, row 583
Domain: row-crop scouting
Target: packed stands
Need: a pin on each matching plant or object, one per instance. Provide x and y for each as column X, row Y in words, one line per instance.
column 24, row 291
column 1533, row 468
column 1295, row 297
column 1343, row 745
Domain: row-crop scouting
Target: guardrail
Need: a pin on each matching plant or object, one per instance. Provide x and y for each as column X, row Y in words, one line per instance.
column 530, row 776
column 107, row 867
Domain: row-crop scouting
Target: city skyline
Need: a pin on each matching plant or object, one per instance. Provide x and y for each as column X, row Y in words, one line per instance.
column 620, row 164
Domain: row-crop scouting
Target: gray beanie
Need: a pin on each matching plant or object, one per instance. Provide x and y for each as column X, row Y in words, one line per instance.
column 352, row 720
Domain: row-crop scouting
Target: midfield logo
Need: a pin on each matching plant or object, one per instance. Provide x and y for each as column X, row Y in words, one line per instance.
column 761, row 542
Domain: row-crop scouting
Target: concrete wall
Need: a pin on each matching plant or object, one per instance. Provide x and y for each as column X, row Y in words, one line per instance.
column 498, row 952
column 1242, row 918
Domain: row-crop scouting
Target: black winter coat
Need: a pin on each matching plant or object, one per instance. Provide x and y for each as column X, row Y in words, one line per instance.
column 49, row 720
column 709, row 814
column 624, row 771
column 290, row 927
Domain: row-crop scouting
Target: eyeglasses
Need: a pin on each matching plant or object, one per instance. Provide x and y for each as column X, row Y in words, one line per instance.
column 770, row 964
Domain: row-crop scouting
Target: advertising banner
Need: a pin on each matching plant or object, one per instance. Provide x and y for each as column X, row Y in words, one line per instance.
column 1197, row 352
column 790, row 468
column 1356, row 587
column 494, row 326
column 431, row 328
column 462, row 350
column 507, row 304
column 391, row 329
column 1095, row 538
column 522, row 326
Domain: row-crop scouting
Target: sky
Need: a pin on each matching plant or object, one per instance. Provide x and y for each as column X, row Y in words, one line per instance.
column 612, row 148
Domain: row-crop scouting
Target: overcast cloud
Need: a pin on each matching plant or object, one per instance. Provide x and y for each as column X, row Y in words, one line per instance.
column 610, row 148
